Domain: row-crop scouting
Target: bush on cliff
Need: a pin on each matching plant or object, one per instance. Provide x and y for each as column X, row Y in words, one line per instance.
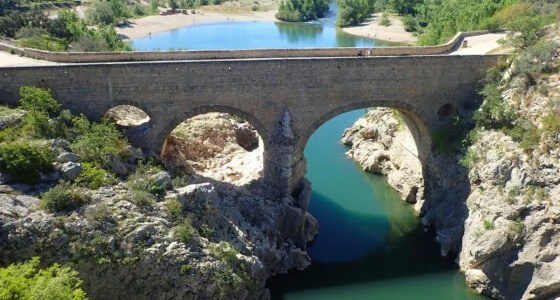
column 24, row 162
column 63, row 196
column 97, row 142
column 27, row 281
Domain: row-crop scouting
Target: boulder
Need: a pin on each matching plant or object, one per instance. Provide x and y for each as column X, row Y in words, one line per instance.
column 70, row 171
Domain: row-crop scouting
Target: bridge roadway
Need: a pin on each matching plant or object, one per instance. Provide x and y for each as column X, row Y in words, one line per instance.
column 285, row 99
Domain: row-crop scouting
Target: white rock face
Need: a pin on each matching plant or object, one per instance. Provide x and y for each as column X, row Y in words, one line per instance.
column 382, row 145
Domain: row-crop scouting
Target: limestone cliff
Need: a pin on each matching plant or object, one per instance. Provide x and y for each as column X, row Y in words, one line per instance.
column 499, row 207
column 510, row 245
column 204, row 239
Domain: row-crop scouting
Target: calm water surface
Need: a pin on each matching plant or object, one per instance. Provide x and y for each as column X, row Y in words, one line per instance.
column 370, row 244
column 254, row 35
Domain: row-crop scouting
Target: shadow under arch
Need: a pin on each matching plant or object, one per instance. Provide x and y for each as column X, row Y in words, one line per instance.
column 177, row 119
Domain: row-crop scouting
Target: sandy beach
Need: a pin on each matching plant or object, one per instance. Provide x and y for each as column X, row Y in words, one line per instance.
column 143, row 27
column 392, row 33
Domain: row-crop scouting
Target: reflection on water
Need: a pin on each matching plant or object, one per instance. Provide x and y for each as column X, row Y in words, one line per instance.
column 298, row 33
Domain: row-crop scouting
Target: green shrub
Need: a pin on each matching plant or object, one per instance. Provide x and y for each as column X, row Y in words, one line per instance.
column 447, row 139
column 488, row 225
column 97, row 142
column 185, row 232
column 224, row 251
column 62, row 197
column 525, row 133
column 174, row 208
column 27, row 281
column 143, row 198
column 206, row 231
column 185, row 269
column 410, row 23
column 517, row 227
column 38, row 100
column 24, row 162
column 97, row 213
column 94, row 178
column 142, row 180
column 494, row 113
column 384, row 20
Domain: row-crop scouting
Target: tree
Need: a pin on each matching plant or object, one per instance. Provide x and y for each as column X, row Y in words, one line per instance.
column 27, row 281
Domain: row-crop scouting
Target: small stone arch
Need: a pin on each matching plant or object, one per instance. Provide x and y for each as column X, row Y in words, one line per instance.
column 135, row 122
column 446, row 112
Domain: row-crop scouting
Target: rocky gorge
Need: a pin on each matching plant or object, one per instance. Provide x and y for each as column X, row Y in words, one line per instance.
column 495, row 204
column 210, row 233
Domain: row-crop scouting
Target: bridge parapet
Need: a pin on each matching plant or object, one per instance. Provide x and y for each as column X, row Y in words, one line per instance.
column 134, row 56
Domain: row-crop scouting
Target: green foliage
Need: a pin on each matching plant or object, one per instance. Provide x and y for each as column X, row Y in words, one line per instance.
column 34, row 99
column 488, row 225
column 353, row 12
column 517, row 227
column 27, row 281
column 97, row 213
column 143, row 198
column 224, row 251
column 494, row 113
column 97, row 142
column 448, row 138
column 174, row 208
column 185, row 269
column 24, row 161
column 384, row 20
column 469, row 159
column 67, row 31
column 63, row 197
column 94, row 177
column 173, row 4
column 206, row 231
column 440, row 20
column 143, row 181
column 535, row 60
column 524, row 132
column 301, row 10
column 185, row 232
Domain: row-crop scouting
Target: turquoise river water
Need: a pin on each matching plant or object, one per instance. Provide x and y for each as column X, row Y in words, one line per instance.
column 370, row 244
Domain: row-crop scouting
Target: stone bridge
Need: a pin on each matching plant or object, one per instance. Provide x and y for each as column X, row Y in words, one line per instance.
column 285, row 99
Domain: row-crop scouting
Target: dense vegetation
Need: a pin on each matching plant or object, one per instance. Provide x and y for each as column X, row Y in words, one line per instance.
column 302, row 10
column 28, row 281
column 32, row 27
column 25, row 151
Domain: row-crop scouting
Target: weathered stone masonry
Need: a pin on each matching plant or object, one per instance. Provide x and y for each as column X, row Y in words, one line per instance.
column 285, row 99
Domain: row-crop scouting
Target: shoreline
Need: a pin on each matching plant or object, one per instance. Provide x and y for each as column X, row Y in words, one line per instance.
column 394, row 33
column 146, row 26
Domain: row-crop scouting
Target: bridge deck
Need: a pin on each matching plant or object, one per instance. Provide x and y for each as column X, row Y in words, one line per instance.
column 477, row 45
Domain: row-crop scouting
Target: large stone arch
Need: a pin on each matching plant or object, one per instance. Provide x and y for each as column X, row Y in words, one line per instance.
column 415, row 123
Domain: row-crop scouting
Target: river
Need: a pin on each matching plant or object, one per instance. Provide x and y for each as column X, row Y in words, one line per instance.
column 370, row 244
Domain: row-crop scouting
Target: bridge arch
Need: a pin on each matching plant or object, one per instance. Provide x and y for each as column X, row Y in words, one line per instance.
column 414, row 122
column 174, row 119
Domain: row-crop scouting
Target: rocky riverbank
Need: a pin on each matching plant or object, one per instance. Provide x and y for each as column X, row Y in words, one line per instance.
column 201, row 239
column 499, row 206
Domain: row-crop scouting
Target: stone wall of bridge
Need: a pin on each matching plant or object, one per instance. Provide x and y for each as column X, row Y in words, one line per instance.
column 286, row 99
column 90, row 57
